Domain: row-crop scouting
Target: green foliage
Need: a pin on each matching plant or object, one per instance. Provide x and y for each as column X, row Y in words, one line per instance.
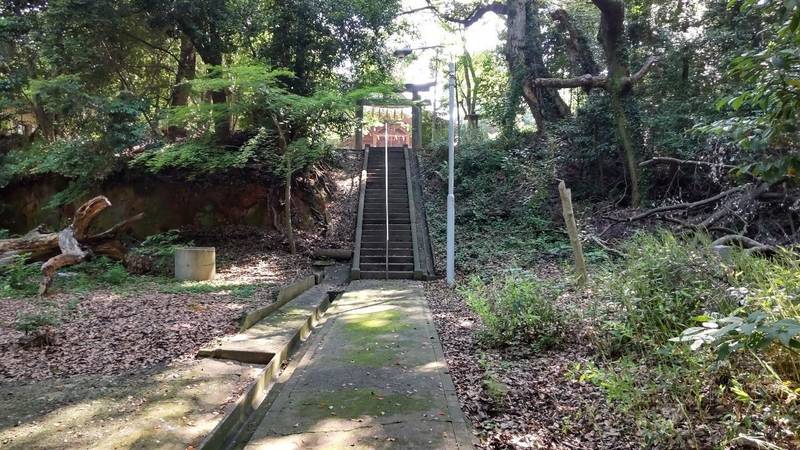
column 767, row 321
column 19, row 279
column 195, row 158
column 754, row 332
column 115, row 275
column 516, row 310
column 32, row 322
column 160, row 248
column 762, row 115
column 659, row 287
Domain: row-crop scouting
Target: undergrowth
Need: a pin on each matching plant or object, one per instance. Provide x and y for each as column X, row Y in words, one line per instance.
column 501, row 215
column 516, row 311
column 698, row 348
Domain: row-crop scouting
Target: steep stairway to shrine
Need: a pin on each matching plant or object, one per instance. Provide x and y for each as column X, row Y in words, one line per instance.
column 386, row 252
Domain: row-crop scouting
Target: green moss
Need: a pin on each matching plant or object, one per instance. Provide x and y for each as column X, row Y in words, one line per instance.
column 355, row 403
column 373, row 339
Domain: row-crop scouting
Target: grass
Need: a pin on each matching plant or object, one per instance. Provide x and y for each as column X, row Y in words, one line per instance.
column 668, row 284
column 517, row 310
column 20, row 280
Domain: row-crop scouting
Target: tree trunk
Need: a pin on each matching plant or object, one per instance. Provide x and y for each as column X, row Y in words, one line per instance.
column 210, row 49
column 180, row 92
column 525, row 59
column 612, row 37
column 288, row 212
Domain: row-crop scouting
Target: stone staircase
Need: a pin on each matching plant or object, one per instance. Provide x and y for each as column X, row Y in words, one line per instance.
column 372, row 260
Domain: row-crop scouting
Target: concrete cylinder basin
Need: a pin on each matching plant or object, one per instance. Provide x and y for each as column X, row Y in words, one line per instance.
column 195, row 263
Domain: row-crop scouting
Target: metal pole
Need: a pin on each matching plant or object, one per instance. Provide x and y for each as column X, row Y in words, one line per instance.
column 433, row 99
column 386, row 188
column 451, row 199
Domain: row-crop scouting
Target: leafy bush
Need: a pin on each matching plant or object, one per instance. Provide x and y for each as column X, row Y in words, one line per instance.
column 662, row 284
column 501, row 218
column 160, row 248
column 517, row 309
column 31, row 322
column 4, row 234
column 19, row 278
column 115, row 274
column 194, row 157
column 767, row 321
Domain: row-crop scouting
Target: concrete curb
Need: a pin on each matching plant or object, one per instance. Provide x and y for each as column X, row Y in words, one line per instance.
column 412, row 214
column 254, row 395
column 285, row 295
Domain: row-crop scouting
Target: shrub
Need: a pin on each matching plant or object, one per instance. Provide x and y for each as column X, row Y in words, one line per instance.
column 516, row 310
column 662, row 284
column 767, row 321
column 18, row 278
column 29, row 323
column 115, row 274
column 160, row 249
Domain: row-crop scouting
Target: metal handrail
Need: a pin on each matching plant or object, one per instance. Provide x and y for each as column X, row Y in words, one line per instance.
column 386, row 192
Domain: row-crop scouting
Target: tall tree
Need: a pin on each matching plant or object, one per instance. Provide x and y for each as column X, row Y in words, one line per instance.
column 531, row 79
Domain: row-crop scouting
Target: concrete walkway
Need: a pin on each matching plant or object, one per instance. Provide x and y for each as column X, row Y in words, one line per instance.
column 375, row 377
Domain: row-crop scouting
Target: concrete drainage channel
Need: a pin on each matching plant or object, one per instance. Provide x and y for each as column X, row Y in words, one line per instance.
column 267, row 338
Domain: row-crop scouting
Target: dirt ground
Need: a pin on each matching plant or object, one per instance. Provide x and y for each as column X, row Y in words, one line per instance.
column 144, row 322
column 121, row 371
column 523, row 400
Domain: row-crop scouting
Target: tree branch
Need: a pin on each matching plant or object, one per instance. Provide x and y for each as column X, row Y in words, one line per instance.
column 475, row 15
column 693, row 205
column 590, row 81
column 416, row 10
column 646, row 67
column 676, row 161
column 585, row 81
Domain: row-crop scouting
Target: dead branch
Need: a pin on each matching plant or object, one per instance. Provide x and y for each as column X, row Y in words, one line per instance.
column 681, row 162
column 643, row 71
column 688, row 206
column 69, row 246
column 751, row 246
column 606, row 247
column 71, row 253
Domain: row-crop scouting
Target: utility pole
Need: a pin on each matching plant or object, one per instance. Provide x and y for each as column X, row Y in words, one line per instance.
column 451, row 199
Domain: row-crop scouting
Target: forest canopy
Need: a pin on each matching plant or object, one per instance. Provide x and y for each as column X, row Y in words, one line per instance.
column 185, row 85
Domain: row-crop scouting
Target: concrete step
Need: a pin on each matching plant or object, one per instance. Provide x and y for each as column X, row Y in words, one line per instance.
column 392, row 259
column 380, row 236
column 376, row 267
column 392, row 226
column 405, row 275
column 377, row 244
column 381, row 253
column 381, row 218
column 380, row 207
column 382, row 226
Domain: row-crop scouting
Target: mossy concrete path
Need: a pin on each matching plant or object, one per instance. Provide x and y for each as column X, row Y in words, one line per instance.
column 375, row 377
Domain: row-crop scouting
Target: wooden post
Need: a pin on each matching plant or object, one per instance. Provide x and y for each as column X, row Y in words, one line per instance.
column 572, row 230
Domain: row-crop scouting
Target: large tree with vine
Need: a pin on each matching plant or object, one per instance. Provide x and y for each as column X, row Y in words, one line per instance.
column 532, row 82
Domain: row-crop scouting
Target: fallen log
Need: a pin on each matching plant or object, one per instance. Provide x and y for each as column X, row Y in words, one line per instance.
column 339, row 254
column 71, row 245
